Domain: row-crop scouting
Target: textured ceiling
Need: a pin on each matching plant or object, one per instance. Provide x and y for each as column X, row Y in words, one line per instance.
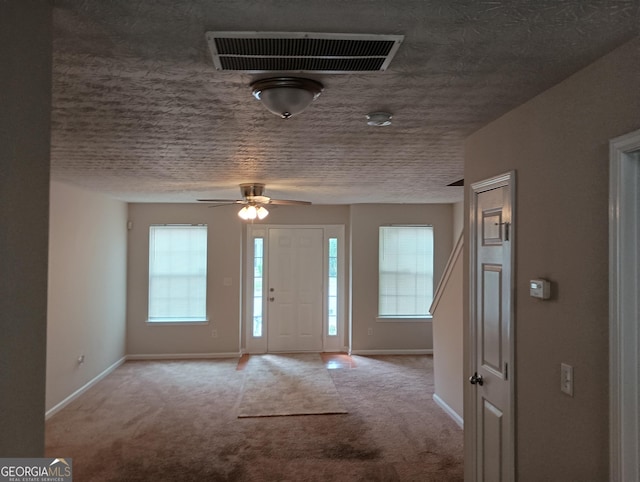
column 140, row 113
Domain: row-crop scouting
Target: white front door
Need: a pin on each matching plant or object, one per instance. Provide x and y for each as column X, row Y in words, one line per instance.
column 491, row 373
column 294, row 289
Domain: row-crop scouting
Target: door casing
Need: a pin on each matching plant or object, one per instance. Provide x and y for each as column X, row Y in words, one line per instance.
column 624, row 283
column 255, row 345
column 506, row 179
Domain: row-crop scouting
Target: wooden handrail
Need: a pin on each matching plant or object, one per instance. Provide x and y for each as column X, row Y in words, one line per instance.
column 457, row 250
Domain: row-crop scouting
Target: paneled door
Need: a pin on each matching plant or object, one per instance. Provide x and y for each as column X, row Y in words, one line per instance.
column 294, row 290
column 491, row 373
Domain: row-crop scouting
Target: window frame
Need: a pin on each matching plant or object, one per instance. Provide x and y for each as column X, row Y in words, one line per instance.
column 178, row 320
column 329, row 277
column 395, row 318
column 261, row 298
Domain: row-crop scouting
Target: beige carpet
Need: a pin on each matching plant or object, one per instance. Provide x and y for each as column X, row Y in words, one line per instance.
column 176, row 421
column 291, row 384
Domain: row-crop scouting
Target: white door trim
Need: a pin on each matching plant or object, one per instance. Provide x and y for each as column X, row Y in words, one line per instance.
column 624, row 333
column 260, row 344
column 506, row 179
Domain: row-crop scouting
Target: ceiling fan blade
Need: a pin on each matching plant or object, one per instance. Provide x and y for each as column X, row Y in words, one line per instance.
column 219, row 205
column 253, row 194
column 224, row 201
column 289, row 202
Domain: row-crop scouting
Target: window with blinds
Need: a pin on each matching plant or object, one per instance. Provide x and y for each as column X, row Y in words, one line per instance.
column 178, row 273
column 405, row 271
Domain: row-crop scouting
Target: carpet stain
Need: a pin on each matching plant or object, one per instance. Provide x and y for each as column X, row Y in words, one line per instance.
column 348, row 451
column 134, row 471
column 229, row 450
column 446, row 462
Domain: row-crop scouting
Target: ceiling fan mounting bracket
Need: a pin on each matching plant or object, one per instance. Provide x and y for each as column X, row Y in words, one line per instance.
column 252, row 189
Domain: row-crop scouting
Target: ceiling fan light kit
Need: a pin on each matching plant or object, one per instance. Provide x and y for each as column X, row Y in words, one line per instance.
column 286, row 96
column 251, row 212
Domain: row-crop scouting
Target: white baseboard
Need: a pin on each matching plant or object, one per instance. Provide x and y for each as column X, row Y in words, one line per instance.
column 450, row 411
column 392, row 352
column 59, row 406
column 182, row 356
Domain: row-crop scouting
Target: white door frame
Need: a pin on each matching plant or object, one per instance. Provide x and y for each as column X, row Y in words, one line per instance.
column 471, row 422
column 257, row 345
column 624, row 332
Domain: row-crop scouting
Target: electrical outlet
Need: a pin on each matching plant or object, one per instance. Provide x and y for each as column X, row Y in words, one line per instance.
column 370, row 331
column 566, row 379
column 214, row 333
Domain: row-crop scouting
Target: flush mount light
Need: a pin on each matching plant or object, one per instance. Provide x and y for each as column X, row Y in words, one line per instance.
column 379, row 119
column 286, row 96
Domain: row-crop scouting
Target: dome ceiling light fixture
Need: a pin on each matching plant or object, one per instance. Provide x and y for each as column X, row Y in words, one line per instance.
column 379, row 119
column 286, row 96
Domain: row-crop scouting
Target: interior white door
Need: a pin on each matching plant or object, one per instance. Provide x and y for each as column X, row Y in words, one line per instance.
column 295, row 283
column 492, row 372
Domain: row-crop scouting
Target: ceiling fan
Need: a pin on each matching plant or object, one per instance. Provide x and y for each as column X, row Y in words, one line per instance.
column 254, row 201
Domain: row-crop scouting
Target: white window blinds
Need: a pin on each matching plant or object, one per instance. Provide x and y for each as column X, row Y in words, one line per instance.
column 405, row 271
column 177, row 273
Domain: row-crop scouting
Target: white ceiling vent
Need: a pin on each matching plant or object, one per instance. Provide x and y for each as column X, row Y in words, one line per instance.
column 328, row 53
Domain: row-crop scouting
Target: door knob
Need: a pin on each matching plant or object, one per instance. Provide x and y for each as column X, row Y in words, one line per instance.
column 476, row 379
column 272, row 299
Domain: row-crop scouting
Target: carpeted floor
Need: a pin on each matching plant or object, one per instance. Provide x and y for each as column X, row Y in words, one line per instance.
column 177, row 421
column 295, row 384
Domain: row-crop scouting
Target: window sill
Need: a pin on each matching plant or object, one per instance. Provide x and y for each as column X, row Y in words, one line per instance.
column 404, row 319
column 176, row 322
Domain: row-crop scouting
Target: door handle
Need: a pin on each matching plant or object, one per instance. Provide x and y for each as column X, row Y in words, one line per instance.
column 272, row 299
column 506, row 229
column 476, row 379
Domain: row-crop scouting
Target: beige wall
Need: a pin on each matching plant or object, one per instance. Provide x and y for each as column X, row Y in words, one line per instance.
column 365, row 221
column 227, row 240
column 448, row 372
column 87, row 288
column 226, row 245
column 25, row 98
column 223, row 302
column 317, row 214
column 558, row 145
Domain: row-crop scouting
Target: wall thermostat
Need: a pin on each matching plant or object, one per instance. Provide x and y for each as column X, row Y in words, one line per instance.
column 540, row 288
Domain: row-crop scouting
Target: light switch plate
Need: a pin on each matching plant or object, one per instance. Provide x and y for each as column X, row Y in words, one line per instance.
column 566, row 379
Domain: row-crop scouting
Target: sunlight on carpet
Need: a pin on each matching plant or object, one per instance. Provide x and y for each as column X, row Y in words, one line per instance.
column 291, row 384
